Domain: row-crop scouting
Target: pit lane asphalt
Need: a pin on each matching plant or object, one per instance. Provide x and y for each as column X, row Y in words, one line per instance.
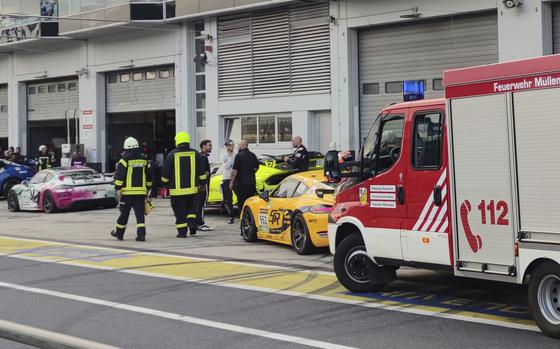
column 342, row 324
column 348, row 323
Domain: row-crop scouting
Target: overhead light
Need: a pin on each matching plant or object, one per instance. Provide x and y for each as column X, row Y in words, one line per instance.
column 413, row 15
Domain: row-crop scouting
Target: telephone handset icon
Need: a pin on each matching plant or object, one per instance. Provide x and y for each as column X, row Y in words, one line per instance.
column 475, row 242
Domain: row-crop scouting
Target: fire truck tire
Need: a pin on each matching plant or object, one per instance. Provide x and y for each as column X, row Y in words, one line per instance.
column 353, row 267
column 248, row 226
column 544, row 298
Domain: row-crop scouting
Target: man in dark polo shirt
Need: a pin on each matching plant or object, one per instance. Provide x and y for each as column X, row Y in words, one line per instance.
column 243, row 181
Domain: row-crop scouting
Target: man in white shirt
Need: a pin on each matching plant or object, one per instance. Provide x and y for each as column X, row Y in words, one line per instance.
column 227, row 167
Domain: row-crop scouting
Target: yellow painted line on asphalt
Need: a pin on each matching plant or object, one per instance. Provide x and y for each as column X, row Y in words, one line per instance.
column 285, row 281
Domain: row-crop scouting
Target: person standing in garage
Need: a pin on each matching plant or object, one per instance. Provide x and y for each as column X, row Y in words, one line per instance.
column 44, row 159
column 182, row 174
column 133, row 179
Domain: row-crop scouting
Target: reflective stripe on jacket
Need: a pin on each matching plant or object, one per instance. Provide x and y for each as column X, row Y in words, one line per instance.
column 133, row 176
column 183, row 171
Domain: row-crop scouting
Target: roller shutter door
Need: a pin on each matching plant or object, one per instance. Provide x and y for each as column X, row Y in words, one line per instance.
column 3, row 111
column 278, row 51
column 556, row 26
column 50, row 100
column 148, row 89
column 421, row 50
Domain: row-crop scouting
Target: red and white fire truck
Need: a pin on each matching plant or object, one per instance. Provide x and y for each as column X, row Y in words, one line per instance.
column 469, row 183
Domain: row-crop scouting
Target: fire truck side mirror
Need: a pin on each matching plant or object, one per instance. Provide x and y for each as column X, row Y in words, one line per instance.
column 332, row 167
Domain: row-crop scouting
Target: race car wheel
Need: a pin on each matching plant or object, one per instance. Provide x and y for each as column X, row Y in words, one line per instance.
column 13, row 203
column 544, row 298
column 301, row 241
column 8, row 186
column 354, row 268
column 248, row 226
column 49, row 206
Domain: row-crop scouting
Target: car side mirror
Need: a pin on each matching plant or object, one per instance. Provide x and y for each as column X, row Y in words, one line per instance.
column 322, row 192
column 215, row 170
column 265, row 196
column 332, row 167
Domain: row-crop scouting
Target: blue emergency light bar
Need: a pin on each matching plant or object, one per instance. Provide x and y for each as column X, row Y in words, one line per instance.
column 413, row 90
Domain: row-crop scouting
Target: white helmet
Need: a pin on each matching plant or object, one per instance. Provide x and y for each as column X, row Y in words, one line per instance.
column 42, row 147
column 130, row 143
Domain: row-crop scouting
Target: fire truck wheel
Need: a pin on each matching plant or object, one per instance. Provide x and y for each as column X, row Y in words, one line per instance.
column 353, row 267
column 248, row 226
column 544, row 298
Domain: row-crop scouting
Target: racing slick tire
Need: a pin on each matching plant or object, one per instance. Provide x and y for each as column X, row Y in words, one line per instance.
column 248, row 226
column 13, row 202
column 49, row 206
column 356, row 271
column 8, row 186
column 301, row 241
column 544, row 298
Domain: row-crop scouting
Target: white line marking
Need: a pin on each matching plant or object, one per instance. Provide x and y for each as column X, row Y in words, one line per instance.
column 402, row 309
column 178, row 317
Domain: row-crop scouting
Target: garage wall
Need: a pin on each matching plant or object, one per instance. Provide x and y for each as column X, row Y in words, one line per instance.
column 3, row 111
column 50, row 100
column 421, row 50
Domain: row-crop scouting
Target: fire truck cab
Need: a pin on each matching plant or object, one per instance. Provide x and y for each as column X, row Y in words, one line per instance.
column 468, row 183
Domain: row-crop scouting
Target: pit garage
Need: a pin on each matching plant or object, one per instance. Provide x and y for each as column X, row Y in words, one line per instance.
column 140, row 104
column 49, row 104
column 419, row 50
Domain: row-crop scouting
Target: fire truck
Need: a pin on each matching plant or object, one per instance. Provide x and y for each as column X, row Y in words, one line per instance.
column 469, row 183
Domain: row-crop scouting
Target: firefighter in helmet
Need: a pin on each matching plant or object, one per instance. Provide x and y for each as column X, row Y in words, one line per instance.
column 133, row 180
column 44, row 159
column 182, row 173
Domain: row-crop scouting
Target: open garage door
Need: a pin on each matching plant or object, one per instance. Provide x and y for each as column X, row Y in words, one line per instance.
column 421, row 50
column 140, row 104
column 48, row 103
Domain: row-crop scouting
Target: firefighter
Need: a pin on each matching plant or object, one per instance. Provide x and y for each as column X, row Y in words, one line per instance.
column 182, row 173
column 44, row 159
column 133, row 179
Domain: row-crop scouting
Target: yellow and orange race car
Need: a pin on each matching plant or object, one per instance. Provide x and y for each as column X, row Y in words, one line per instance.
column 295, row 213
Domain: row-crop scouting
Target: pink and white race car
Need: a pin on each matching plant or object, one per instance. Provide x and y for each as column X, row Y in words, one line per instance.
column 58, row 189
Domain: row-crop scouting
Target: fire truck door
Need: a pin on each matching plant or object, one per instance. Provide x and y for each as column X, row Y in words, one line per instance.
column 482, row 143
column 426, row 227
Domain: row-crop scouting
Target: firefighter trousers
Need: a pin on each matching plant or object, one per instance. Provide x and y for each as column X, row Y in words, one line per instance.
column 185, row 218
column 128, row 203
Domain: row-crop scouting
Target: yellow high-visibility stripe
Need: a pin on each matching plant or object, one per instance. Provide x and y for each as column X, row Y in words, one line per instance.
column 118, row 182
column 140, row 225
column 164, row 180
column 191, row 216
column 203, row 177
column 121, row 226
column 123, row 162
column 149, row 184
column 182, row 225
column 134, row 191
column 185, row 191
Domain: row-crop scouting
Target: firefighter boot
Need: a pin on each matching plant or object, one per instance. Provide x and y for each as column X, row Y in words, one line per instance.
column 118, row 233
column 141, row 232
column 182, row 230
